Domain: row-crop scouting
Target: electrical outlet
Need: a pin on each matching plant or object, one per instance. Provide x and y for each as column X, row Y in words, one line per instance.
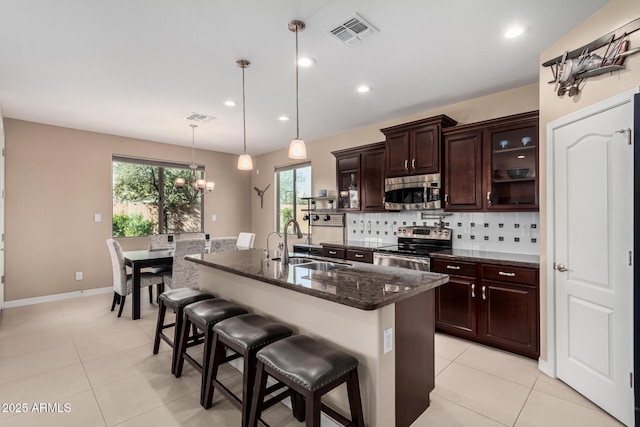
column 466, row 229
column 388, row 340
column 214, row 217
column 526, row 231
column 78, row 275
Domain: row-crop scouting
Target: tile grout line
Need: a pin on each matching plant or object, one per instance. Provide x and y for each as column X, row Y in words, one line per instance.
column 472, row 410
column 525, row 401
column 84, row 369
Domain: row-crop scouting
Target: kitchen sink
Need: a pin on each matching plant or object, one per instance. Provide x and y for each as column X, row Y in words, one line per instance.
column 322, row 265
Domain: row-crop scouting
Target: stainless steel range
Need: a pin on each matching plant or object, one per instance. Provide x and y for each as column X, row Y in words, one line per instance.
column 415, row 243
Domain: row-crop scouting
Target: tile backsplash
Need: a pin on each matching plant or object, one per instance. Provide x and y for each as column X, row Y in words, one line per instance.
column 512, row 232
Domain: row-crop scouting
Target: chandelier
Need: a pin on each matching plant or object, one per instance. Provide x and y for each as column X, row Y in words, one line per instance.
column 199, row 185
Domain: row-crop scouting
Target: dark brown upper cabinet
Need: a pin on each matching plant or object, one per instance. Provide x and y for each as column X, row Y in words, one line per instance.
column 492, row 165
column 361, row 169
column 414, row 148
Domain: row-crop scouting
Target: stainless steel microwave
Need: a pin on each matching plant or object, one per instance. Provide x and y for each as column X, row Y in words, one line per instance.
column 415, row 192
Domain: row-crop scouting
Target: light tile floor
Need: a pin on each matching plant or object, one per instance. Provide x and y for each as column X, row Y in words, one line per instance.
column 77, row 352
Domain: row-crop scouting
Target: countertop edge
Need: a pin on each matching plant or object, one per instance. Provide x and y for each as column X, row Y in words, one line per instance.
column 327, row 297
column 485, row 260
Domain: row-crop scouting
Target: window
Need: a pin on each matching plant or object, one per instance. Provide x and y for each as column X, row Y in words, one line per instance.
column 292, row 183
column 146, row 202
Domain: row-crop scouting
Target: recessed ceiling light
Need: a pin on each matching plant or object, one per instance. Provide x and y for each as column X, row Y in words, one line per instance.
column 284, row 118
column 230, row 103
column 363, row 89
column 513, row 32
column 306, row 61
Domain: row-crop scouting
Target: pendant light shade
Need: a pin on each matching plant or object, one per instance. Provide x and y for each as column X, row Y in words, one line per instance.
column 297, row 147
column 244, row 161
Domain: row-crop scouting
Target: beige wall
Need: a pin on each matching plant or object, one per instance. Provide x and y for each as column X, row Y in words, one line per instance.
column 58, row 178
column 513, row 101
column 612, row 16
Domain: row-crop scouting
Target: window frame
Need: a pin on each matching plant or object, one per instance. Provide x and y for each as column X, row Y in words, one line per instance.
column 162, row 165
column 285, row 168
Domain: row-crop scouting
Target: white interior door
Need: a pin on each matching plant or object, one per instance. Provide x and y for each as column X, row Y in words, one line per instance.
column 593, row 225
column 1, row 212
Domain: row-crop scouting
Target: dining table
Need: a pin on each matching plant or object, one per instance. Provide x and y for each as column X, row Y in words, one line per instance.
column 138, row 260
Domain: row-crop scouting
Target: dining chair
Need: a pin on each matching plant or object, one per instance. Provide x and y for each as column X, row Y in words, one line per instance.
column 190, row 236
column 158, row 242
column 245, row 240
column 184, row 274
column 223, row 244
column 123, row 282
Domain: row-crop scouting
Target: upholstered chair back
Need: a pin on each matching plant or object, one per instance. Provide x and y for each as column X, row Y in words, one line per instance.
column 185, row 273
column 118, row 268
column 158, row 241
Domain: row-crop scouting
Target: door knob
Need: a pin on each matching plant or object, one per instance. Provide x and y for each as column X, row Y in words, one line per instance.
column 560, row 267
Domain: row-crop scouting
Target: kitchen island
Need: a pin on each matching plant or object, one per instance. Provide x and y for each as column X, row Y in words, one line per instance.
column 352, row 306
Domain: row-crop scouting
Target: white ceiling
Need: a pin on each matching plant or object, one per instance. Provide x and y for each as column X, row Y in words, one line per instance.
column 136, row 68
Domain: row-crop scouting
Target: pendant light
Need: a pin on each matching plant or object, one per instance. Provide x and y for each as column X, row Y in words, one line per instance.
column 297, row 148
column 244, row 161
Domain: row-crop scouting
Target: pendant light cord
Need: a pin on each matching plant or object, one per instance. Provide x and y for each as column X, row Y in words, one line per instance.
column 297, row 109
column 244, row 118
column 193, row 144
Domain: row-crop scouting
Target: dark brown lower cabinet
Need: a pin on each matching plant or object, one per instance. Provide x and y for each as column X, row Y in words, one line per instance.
column 491, row 304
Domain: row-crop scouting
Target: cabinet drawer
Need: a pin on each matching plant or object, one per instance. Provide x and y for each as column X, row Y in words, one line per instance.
column 361, row 256
column 525, row 276
column 330, row 252
column 458, row 268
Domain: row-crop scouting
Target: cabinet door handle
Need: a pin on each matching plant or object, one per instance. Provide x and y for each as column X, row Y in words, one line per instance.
column 489, row 197
column 484, row 295
column 413, row 163
column 453, row 267
column 473, row 290
column 333, row 253
column 446, row 199
column 406, row 164
column 502, row 273
column 359, row 255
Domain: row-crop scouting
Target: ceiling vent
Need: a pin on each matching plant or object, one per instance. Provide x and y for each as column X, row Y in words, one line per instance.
column 352, row 30
column 199, row 118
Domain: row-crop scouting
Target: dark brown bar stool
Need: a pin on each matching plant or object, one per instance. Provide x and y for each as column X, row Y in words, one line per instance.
column 311, row 369
column 176, row 300
column 204, row 315
column 245, row 335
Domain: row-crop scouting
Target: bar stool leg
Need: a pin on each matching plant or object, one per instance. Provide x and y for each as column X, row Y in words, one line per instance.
column 248, row 379
column 259, row 389
column 217, row 354
column 208, row 342
column 312, row 404
column 162, row 309
column 297, row 406
column 181, row 347
column 355, row 403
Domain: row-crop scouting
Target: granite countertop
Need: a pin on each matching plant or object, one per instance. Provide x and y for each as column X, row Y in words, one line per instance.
column 368, row 245
column 514, row 260
column 362, row 286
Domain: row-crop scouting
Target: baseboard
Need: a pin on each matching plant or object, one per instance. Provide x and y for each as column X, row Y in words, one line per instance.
column 56, row 297
column 545, row 368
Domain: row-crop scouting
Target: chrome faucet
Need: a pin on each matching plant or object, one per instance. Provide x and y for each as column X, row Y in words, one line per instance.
column 296, row 229
column 269, row 235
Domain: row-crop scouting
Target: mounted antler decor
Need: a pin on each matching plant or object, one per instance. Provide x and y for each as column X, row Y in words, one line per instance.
column 261, row 193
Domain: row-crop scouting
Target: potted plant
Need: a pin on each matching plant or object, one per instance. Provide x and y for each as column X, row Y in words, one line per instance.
column 330, row 203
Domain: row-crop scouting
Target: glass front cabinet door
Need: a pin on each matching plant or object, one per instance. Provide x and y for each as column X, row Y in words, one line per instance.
column 513, row 169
